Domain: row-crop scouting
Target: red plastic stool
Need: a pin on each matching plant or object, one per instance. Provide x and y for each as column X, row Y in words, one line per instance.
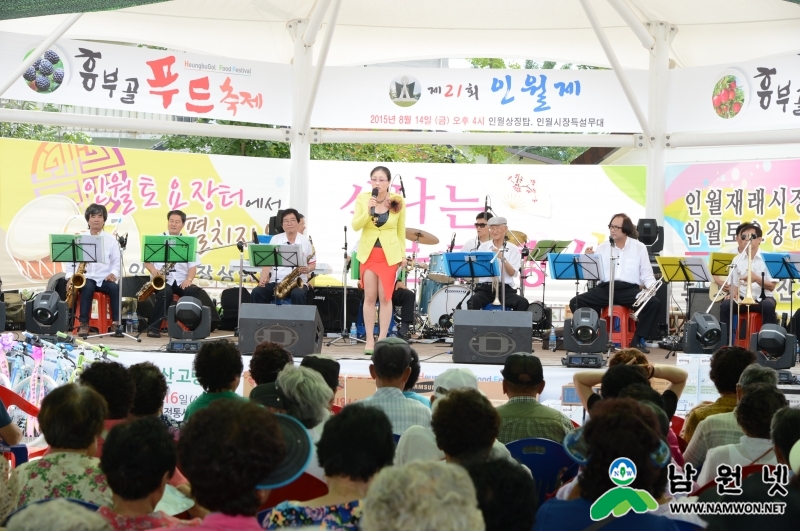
column 101, row 308
column 623, row 327
column 747, row 326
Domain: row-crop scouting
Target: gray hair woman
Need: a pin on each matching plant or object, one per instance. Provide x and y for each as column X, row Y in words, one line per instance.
column 307, row 394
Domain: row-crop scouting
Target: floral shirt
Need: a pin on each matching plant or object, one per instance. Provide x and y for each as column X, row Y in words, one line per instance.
column 154, row 520
column 60, row 475
column 336, row 517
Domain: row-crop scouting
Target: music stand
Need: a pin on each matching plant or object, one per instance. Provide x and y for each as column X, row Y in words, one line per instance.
column 274, row 256
column 782, row 266
column 471, row 265
column 167, row 249
column 67, row 248
column 543, row 249
column 683, row 269
column 575, row 267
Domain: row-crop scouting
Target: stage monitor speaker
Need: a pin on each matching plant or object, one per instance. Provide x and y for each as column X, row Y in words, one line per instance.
column 328, row 301
column 699, row 301
column 489, row 337
column 297, row 327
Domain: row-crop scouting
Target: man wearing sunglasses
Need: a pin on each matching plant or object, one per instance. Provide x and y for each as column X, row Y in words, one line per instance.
column 482, row 229
column 632, row 271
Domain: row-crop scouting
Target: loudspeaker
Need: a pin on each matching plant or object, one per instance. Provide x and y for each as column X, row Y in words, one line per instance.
column 328, row 301
column 489, row 337
column 699, row 301
column 661, row 330
column 298, row 328
column 276, row 223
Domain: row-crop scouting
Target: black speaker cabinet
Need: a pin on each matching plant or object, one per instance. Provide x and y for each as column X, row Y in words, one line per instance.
column 489, row 337
column 699, row 301
column 2, row 316
column 328, row 301
column 298, row 328
column 661, row 330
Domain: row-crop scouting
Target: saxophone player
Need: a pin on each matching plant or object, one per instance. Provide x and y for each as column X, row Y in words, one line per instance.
column 178, row 279
column 102, row 275
column 265, row 292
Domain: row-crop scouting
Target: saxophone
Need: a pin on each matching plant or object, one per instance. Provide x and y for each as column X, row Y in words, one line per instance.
column 157, row 284
column 76, row 282
column 293, row 280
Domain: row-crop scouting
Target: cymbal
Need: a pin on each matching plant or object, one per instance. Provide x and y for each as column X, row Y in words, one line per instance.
column 420, row 236
column 517, row 237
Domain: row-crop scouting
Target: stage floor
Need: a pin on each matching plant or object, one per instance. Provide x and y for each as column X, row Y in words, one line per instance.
column 440, row 352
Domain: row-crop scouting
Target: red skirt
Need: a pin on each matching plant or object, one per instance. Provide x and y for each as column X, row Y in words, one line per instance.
column 376, row 262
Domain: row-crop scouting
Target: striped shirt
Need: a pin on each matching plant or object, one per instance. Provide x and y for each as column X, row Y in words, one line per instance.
column 716, row 430
column 402, row 412
column 523, row 417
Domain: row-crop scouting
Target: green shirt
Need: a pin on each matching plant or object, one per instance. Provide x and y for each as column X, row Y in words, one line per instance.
column 523, row 417
column 206, row 398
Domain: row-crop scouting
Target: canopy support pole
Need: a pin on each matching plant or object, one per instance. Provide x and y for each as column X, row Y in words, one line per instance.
column 35, row 54
column 321, row 59
column 301, row 148
column 615, row 65
column 633, row 22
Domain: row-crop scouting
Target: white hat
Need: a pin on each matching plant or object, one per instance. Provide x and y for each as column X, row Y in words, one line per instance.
column 454, row 379
column 497, row 221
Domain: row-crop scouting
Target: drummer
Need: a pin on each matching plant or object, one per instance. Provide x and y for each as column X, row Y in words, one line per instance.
column 484, row 290
column 482, row 229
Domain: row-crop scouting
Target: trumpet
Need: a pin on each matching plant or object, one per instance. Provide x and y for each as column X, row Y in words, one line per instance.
column 643, row 297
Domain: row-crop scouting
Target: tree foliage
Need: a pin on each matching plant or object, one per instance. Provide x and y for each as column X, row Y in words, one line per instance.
column 45, row 133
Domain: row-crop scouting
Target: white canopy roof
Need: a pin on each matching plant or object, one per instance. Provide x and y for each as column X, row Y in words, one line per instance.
column 377, row 31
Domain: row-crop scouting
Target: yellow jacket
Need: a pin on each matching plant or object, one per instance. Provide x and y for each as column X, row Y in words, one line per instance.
column 392, row 234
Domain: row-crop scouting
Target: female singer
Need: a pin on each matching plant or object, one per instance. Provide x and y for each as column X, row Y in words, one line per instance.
column 381, row 217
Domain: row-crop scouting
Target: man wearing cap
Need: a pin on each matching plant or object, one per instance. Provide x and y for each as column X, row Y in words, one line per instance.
column 391, row 367
column 418, row 443
column 509, row 259
column 523, row 417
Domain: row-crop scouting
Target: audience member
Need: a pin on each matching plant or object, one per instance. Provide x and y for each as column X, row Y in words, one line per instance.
column 645, row 393
column 268, row 360
column 150, row 392
column 9, row 432
column 423, row 497
column 727, row 365
column 506, row 495
column 328, row 367
column 218, row 367
column 234, row 453
column 355, row 445
column 57, row 515
column 114, row 383
column 138, row 461
column 618, row 427
column 465, row 425
column 628, row 356
column 408, row 392
column 391, row 367
column 785, row 429
column 523, row 417
column 419, row 443
column 754, row 414
column 722, row 428
column 71, row 419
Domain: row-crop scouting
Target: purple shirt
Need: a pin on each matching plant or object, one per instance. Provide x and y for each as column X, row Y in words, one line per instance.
column 222, row 522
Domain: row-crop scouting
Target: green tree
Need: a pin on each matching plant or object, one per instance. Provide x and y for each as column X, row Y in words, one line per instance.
column 45, row 133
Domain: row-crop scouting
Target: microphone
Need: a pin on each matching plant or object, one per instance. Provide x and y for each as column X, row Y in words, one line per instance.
column 611, row 241
column 402, row 188
column 255, row 236
column 375, row 195
column 452, row 243
column 240, row 246
column 122, row 240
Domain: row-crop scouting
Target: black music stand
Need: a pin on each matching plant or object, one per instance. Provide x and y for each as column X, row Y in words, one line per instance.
column 782, row 266
column 167, row 249
column 66, row 248
column 543, row 249
column 575, row 267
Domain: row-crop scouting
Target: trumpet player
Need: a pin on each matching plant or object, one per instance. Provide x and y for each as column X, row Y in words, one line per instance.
column 178, row 280
column 761, row 289
column 632, row 271
column 265, row 292
column 100, row 276
column 510, row 260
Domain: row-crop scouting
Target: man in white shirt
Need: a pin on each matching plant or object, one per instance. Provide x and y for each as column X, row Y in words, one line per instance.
column 632, row 270
column 179, row 277
column 761, row 287
column 482, row 230
column 271, row 277
column 102, row 275
column 509, row 259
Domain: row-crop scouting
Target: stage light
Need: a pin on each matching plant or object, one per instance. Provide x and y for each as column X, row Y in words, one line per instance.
column 774, row 347
column 46, row 314
column 651, row 234
column 703, row 334
column 195, row 320
column 586, row 335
